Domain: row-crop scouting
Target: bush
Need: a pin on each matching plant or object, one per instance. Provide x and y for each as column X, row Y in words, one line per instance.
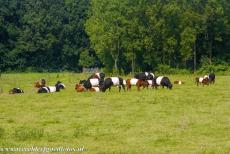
column 166, row 69
column 218, row 67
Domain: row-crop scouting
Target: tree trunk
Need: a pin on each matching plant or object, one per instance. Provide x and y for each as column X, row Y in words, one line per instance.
column 115, row 64
column 133, row 63
column 210, row 51
column 194, row 59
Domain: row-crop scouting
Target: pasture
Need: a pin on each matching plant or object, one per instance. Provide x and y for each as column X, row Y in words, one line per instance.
column 186, row 119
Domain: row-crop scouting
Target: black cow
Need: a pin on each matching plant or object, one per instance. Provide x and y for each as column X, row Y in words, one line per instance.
column 162, row 81
column 16, row 91
column 144, row 76
column 212, row 78
column 112, row 81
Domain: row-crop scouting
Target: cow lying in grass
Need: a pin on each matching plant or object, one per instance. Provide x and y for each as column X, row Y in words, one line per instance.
column 16, row 91
column 81, row 88
column 162, row 81
column 88, row 84
column 179, row 82
column 136, row 82
column 40, row 84
column 113, row 81
column 51, row 89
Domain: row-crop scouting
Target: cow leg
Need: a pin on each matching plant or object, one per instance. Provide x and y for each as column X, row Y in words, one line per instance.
column 119, row 88
column 123, row 86
column 138, row 88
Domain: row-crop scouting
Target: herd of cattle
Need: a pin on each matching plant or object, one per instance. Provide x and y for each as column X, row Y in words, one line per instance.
column 97, row 83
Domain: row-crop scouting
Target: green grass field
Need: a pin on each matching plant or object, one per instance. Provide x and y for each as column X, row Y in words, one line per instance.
column 187, row 119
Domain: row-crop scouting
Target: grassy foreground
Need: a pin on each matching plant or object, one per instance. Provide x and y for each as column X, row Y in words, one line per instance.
column 187, row 119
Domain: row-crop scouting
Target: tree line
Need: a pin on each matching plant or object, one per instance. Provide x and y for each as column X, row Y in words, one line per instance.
column 120, row 35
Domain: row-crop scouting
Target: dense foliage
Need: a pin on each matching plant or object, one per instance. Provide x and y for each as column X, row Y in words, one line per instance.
column 125, row 35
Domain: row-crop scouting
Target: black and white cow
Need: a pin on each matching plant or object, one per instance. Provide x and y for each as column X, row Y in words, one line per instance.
column 162, row 81
column 51, row 89
column 113, row 81
column 16, row 91
column 88, row 84
column 144, row 76
column 212, row 78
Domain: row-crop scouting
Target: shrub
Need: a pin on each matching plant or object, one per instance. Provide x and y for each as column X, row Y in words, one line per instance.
column 218, row 66
column 166, row 69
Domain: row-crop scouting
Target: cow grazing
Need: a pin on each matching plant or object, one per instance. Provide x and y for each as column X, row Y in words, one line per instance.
column 211, row 78
column 179, row 82
column 16, row 91
column 201, row 80
column 112, row 81
column 144, row 76
column 162, row 81
column 51, row 89
column 136, row 82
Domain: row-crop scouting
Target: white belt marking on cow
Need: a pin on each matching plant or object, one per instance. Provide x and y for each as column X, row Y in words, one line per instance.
column 52, row 89
column 150, row 82
column 94, row 82
column 201, row 79
column 158, row 81
column 133, row 81
column 115, row 80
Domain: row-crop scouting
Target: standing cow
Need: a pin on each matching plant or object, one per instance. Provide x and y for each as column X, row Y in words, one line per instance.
column 162, row 81
column 202, row 80
column 113, row 81
column 136, row 82
column 144, row 76
column 211, row 78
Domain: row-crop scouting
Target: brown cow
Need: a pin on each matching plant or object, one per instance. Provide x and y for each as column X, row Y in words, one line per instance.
column 136, row 82
column 201, row 80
